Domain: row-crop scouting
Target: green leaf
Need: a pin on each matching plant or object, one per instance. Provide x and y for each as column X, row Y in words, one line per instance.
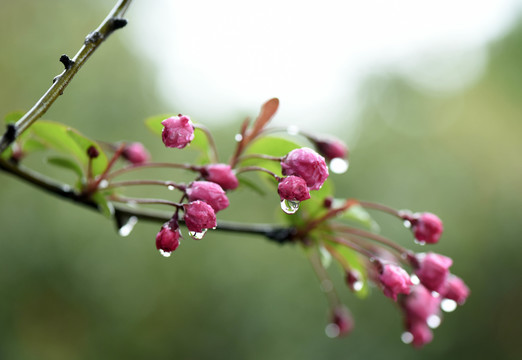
column 31, row 144
column 105, row 206
column 66, row 163
column 357, row 214
column 250, row 184
column 269, row 145
column 70, row 142
column 154, row 123
column 13, row 117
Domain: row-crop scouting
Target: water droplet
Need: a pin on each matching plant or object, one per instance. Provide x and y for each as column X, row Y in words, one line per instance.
column 197, row 235
column 165, row 253
column 414, row 279
column 238, row 137
column 126, row 228
column 435, row 294
column 407, row 224
column 407, row 337
column 433, row 321
column 332, row 330
column 448, row 305
column 326, row 285
column 421, row 243
column 292, row 130
column 103, row 184
column 170, row 187
column 338, row 165
column 289, row 206
column 357, row 286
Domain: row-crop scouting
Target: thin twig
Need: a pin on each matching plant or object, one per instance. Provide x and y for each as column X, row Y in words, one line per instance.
column 112, row 22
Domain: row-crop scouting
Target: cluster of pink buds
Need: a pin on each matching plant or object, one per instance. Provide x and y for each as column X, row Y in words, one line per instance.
column 420, row 283
column 305, row 170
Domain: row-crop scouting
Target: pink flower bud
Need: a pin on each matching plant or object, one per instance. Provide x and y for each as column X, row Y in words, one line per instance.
column 293, row 188
column 209, row 192
column 455, row 289
column 421, row 333
column 221, row 174
column 136, row 153
column 342, row 318
column 433, row 270
column 167, row 239
column 178, row 131
column 199, row 216
column 332, row 149
column 307, row 164
column 427, row 227
column 395, row 280
column 92, row 152
column 420, row 304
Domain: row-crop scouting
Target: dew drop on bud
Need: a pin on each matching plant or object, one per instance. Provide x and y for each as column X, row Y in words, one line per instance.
column 170, row 187
column 407, row 337
column 332, row 330
column 197, row 235
column 407, row 224
column 165, row 253
column 357, row 286
column 338, row 165
column 238, row 137
column 422, row 243
column 448, row 305
column 433, row 321
column 414, row 279
column 127, row 227
column 289, row 206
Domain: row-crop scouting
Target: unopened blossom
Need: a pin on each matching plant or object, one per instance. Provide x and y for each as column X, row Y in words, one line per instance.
column 199, row 216
column 293, row 188
column 308, row 164
column 427, row 227
column 331, row 148
column 433, row 270
column 136, row 153
column 421, row 333
column 221, row 174
column 420, row 304
column 395, row 280
column 455, row 289
column 209, row 192
column 343, row 319
column 178, row 131
column 167, row 238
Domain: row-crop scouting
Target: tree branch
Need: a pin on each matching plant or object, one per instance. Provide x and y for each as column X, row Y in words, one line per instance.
column 277, row 233
column 112, row 22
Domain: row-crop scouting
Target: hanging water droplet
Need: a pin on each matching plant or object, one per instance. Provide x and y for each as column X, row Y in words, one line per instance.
column 357, row 286
column 433, row 321
column 197, row 235
column 332, row 330
column 407, row 224
column 165, row 253
column 126, row 228
column 414, row 279
column 421, row 243
column 407, row 337
column 338, row 165
column 292, row 130
column 289, row 206
column 103, row 184
column 448, row 305
column 238, row 137
column 170, row 187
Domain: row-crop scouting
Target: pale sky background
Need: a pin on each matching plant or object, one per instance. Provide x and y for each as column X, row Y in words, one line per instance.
column 215, row 58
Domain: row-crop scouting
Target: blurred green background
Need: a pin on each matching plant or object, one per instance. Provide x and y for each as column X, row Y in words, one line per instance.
column 71, row 288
